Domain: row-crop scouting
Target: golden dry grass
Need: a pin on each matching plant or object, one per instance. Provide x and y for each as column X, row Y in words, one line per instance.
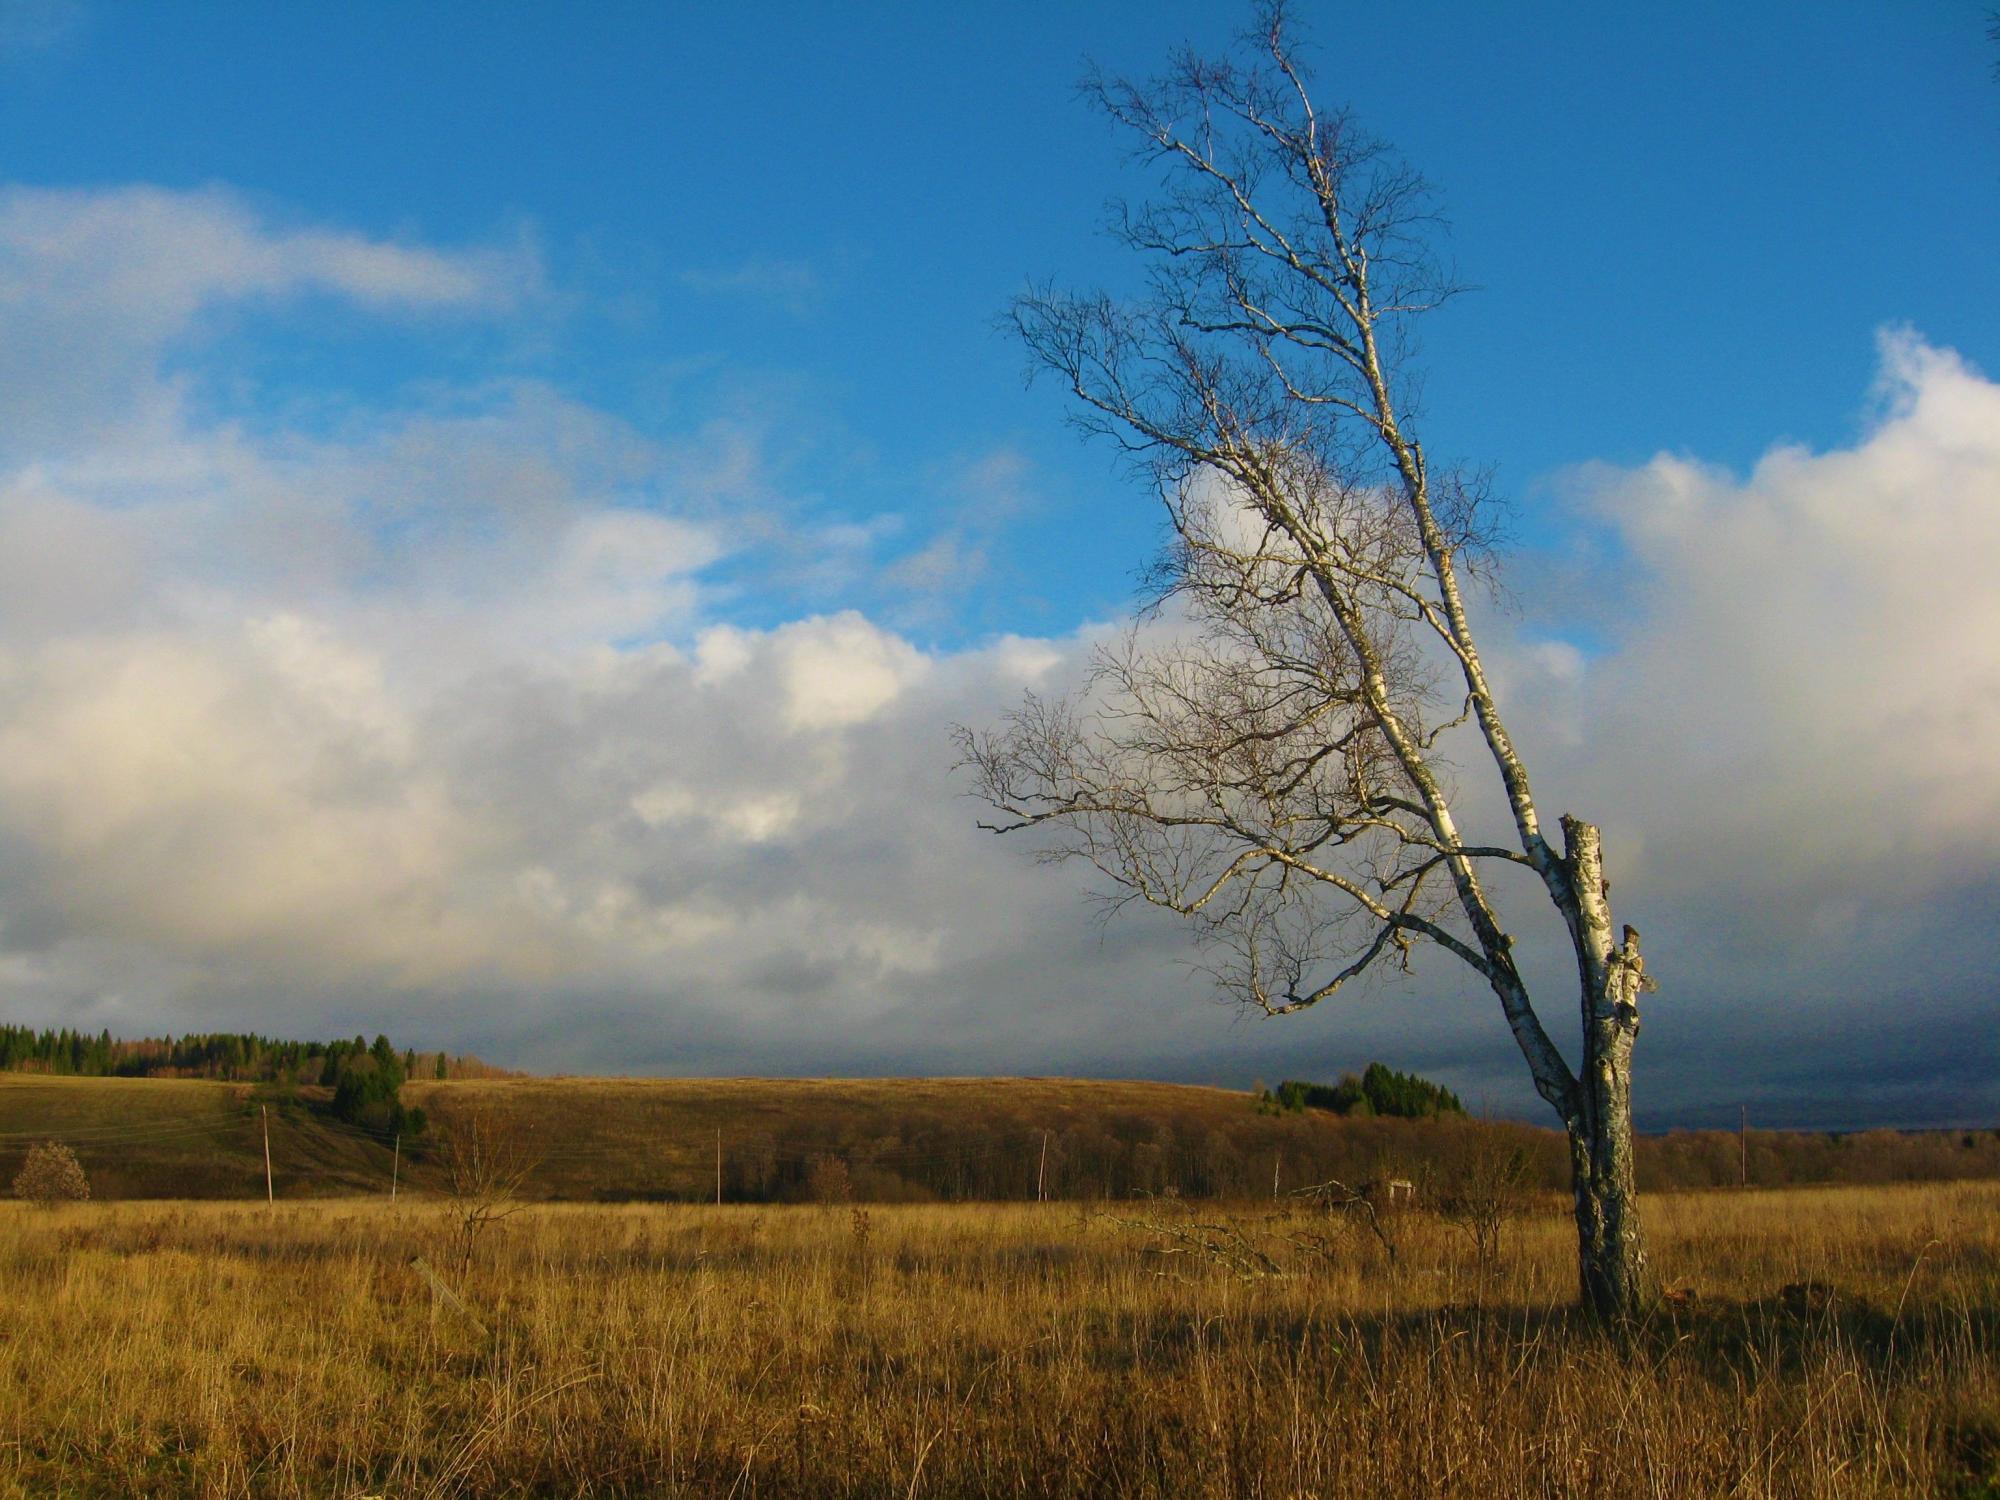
column 992, row 1350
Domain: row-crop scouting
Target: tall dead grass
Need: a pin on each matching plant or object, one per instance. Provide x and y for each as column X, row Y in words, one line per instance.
column 1841, row 1342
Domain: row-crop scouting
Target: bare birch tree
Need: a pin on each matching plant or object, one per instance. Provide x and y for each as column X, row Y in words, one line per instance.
column 1272, row 767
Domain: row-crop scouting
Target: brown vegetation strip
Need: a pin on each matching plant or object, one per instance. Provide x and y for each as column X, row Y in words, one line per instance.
column 901, row 1140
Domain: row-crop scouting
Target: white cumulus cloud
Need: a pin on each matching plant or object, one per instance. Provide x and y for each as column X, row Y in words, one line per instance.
column 434, row 722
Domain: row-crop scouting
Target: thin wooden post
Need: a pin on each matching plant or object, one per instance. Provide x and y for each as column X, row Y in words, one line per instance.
column 1041, row 1171
column 1743, row 1146
column 718, row 1166
column 1277, row 1161
column 264, row 1112
column 396, row 1167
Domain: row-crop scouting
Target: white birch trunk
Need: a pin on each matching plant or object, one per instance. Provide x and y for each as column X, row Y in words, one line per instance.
column 1616, row 1276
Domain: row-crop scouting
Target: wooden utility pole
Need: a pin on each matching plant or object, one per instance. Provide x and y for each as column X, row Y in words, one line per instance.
column 1041, row 1170
column 396, row 1167
column 718, row 1166
column 264, row 1113
column 1743, row 1146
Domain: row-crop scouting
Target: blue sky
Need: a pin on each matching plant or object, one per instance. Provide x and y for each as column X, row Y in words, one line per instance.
column 533, row 485
column 1684, row 226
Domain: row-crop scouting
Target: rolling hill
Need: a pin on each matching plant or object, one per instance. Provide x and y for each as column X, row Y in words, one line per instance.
column 613, row 1139
column 594, row 1139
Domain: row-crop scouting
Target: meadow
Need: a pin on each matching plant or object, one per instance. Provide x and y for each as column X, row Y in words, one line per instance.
column 1834, row 1341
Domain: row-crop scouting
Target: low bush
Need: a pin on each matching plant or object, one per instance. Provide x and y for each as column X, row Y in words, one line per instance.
column 51, row 1175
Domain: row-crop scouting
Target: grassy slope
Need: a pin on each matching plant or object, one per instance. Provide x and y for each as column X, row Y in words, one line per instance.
column 599, row 1138
column 595, row 1137
column 159, row 1137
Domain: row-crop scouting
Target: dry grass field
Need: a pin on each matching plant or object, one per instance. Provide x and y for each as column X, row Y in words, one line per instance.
column 1125, row 1350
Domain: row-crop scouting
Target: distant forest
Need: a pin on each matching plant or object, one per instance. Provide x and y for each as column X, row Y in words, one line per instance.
column 228, row 1056
column 1378, row 1091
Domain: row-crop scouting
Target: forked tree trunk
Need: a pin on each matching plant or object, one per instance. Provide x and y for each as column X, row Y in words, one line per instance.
column 1617, row 1281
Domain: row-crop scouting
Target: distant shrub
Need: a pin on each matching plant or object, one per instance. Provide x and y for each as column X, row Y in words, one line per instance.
column 827, row 1180
column 51, row 1175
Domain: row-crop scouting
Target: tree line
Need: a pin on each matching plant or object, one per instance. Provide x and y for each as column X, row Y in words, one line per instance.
column 225, row 1056
column 1127, row 1154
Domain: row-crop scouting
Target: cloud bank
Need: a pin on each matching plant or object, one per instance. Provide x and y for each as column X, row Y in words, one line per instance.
column 438, row 722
